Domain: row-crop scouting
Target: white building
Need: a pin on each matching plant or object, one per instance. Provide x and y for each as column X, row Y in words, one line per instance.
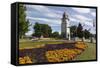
column 65, row 27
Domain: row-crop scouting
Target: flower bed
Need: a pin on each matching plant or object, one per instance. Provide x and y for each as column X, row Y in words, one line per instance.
column 80, row 45
column 62, row 55
column 51, row 53
column 65, row 54
column 25, row 60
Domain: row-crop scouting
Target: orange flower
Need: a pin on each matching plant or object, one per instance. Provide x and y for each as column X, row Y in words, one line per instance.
column 61, row 55
column 24, row 60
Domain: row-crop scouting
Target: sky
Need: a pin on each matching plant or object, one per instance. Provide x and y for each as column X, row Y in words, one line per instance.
column 52, row 16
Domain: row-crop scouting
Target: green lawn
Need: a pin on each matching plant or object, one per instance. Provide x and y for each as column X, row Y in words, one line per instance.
column 89, row 53
column 31, row 44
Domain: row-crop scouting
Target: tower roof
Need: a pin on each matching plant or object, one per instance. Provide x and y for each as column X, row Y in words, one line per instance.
column 65, row 15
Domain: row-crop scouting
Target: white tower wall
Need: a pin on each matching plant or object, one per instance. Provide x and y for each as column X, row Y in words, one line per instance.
column 65, row 27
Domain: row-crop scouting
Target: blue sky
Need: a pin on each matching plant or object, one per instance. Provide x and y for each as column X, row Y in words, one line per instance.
column 52, row 15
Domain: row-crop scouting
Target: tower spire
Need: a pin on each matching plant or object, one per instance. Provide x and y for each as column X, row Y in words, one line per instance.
column 65, row 16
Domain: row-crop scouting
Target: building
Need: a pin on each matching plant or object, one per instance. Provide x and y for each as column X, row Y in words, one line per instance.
column 65, row 29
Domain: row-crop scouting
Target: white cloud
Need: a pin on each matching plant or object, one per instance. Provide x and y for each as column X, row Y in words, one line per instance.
column 53, row 15
column 37, row 7
column 45, row 11
column 41, row 19
column 82, row 10
column 88, row 23
column 52, row 22
column 93, row 14
column 73, row 19
column 82, row 18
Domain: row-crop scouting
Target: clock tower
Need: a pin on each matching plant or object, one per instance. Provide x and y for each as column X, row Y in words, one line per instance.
column 65, row 27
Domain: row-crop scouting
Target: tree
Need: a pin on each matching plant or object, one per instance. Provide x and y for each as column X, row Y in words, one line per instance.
column 73, row 30
column 86, row 34
column 46, row 30
column 42, row 29
column 23, row 23
column 80, row 31
column 37, row 30
column 55, row 34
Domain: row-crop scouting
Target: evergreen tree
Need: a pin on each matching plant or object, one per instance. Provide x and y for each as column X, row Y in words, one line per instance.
column 87, row 34
column 80, row 31
column 73, row 30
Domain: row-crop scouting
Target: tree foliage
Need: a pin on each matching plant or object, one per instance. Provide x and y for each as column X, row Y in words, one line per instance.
column 23, row 23
column 55, row 35
column 80, row 31
column 87, row 34
column 42, row 29
column 73, row 30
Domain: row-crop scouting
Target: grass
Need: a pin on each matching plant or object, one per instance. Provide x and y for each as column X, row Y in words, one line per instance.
column 89, row 53
column 35, row 44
